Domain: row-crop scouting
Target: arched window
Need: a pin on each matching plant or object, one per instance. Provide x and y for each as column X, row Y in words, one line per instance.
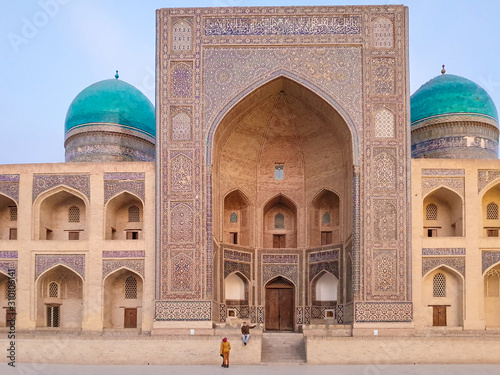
column 233, row 218
column 74, row 214
column 279, row 221
column 130, row 287
column 53, row 290
column 326, row 218
column 439, row 285
column 431, row 212
column 133, row 214
column 492, row 211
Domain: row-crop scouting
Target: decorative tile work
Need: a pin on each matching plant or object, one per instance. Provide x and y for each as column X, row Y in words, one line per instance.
column 230, row 267
column 457, row 264
column 443, row 251
column 110, row 266
column 123, row 176
column 75, row 262
column 182, row 35
column 183, row 310
column 443, row 172
column 454, row 142
column 430, row 183
column 384, row 311
column 222, row 313
column 9, row 185
column 113, row 188
column 239, row 256
column 384, row 124
column 274, row 270
column 260, row 314
column 307, row 315
column 181, row 172
column 8, row 254
column 489, row 258
column 318, row 312
column 485, row 176
column 382, row 32
column 339, row 313
column 44, row 182
column 324, row 256
column 181, row 120
column 124, row 254
column 385, row 223
column 181, row 223
column 282, row 25
column 282, row 258
column 383, row 73
column 299, row 315
column 316, row 268
column 6, row 265
column 181, row 78
column 385, row 270
column 384, row 169
column 182, row 269
column 253, row 314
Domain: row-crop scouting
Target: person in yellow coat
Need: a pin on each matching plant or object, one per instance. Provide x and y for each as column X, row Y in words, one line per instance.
column 225, row 347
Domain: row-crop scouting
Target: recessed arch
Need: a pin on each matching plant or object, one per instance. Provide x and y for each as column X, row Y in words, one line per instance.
column 449, row 207
column 490, row 219
column 117, row 224
column 8, row 218
column 324, row 289
column 326, row 203
column 283, row 235
column 236, row 289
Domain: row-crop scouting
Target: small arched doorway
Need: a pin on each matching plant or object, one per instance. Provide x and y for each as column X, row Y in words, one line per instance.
column 280, row 305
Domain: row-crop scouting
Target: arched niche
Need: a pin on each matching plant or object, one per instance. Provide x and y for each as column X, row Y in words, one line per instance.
column 124, row 217
column 443, row 293
column 284, row 139
column 237, row 219
column 280, row 223
column 123, row 296
column 8, row 218
column 236, row 289
column 61, row 306
column 443, row 214
column 324, row 220
column 56, row 218
column 492, row 297
column 490, row 223
column 4, row 300
column 325, row 290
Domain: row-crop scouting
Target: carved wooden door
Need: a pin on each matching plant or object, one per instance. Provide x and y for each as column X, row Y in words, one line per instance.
column 130, row 320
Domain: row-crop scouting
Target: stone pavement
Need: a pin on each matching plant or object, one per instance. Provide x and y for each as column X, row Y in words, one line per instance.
column 42, row 369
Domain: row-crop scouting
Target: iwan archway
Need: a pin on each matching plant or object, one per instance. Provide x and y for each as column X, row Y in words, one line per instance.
column 279, row 146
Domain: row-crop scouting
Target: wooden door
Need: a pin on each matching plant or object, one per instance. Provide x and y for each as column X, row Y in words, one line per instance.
column 278, row 241
column 279, row 314
column 439, row 315
column 130, row 320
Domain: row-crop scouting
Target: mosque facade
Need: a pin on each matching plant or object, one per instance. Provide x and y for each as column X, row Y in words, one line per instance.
column 285, row 178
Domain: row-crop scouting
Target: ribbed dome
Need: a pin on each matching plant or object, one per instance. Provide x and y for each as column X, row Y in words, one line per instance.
column 112, row 101
column 449, row 94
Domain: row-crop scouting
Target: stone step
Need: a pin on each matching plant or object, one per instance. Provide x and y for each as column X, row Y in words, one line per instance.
column 283, row 347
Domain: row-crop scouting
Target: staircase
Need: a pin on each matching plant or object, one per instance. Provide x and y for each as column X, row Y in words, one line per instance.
column 283, row 347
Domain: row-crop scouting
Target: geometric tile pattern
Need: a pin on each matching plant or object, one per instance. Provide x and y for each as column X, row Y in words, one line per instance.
column 384, row 171
column 9, row 185
column 181, row 73
column 272, row 271
column 383, row 69
column 324, row 256
column 75, row 262
column 43, row 182
column 109, row 266
column 8, row 254
column 443, row 251
column 457, row 264
column 429, row 183
column 385, row 270
column 253, row 314
column 485, row 176
column 183, row 310
column 384, row 311
column 124, row 254
column 113, row 188
column 7, row 266
column 299, row 315
column 384, row 124
column 230, row 267
column 260, row 314
column 382, row 33
column 385, row 223
column 237, row 255
column 284, row 258
column 443, row 172
column 307, row 315
column 222, row 312
column 316, row 268
column 489, row 258
column 340, row 314
column 122, row 176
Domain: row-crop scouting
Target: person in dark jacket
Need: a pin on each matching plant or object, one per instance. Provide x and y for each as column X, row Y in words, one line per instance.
column 245, row 332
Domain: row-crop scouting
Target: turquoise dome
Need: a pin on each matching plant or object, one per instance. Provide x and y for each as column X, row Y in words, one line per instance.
column 112, row 101
column 449, row 94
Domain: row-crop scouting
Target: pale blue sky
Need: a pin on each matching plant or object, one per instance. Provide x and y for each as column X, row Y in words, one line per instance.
column 79, row 42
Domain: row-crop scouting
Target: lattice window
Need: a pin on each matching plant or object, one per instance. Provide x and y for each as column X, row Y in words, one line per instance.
column 13, row 213
column 279, row 221
column 279, row 171
column 74, row 214
column 131, row 288
column 52, row 316
column 431, row 212
column 133, row 214
column 7, row 290
column 439, row 285
column 492, row 211
column 326, row 218
column 233, row 218
column 53, row 290
column 384, row 124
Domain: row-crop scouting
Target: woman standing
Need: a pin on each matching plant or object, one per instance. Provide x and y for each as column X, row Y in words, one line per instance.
column 225, row 347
